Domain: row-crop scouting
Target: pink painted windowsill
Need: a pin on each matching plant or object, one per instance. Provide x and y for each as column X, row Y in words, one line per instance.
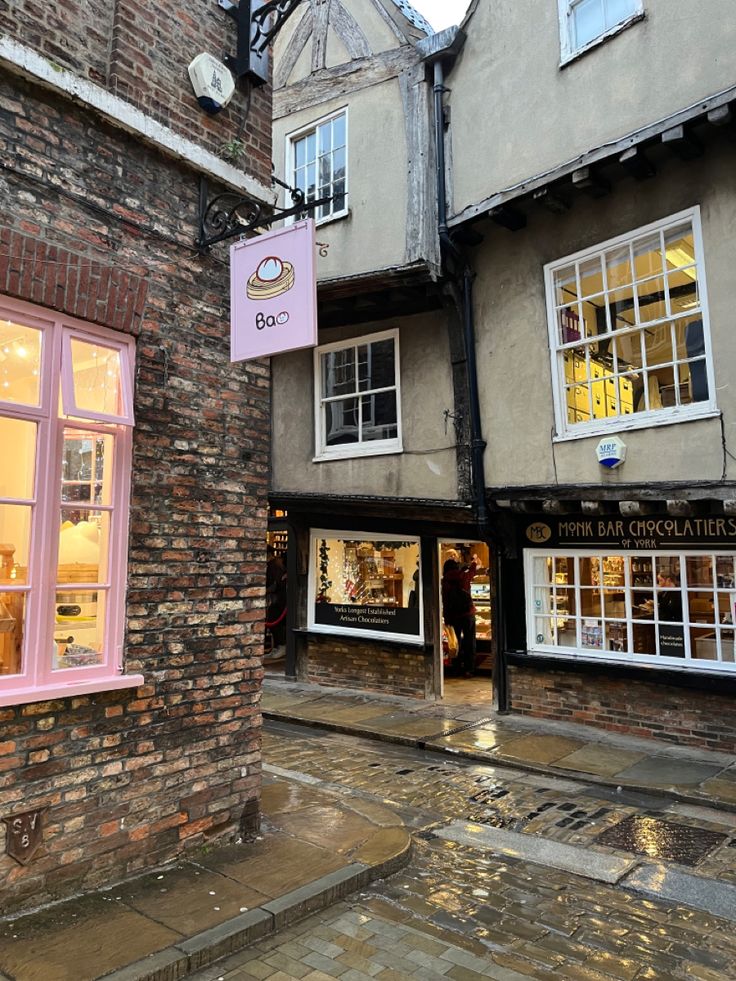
column 47, row 693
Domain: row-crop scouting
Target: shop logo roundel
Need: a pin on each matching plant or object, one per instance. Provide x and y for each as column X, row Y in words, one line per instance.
column 539, row 533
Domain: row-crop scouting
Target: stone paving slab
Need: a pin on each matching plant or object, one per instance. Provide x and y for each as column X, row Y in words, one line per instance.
column 164, row 925
column 648, row 766
column 568, row 858
column 662, row 882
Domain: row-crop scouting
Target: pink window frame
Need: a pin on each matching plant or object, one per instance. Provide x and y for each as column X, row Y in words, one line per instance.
column 38, row 681
column 67, row 380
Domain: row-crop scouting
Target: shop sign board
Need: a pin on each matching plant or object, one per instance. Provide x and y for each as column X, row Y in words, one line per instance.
column 273, row 293
column 382, row 619
column 650, row 532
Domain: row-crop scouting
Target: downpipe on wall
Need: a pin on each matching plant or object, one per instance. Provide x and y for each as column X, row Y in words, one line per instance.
column 458, row 267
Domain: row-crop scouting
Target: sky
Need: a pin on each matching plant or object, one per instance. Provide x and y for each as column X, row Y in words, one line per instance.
column 441, row 13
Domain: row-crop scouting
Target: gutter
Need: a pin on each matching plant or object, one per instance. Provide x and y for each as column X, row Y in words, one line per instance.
column 441, row 50
column 437, row 51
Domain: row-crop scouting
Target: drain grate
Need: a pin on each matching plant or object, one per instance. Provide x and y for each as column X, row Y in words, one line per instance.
column 462, row 728
column 661, row 839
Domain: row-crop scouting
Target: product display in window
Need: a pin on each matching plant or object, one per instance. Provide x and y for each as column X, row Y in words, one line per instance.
column 65, row 423
column 367, row 585
column 630, row 327
column 646, row 605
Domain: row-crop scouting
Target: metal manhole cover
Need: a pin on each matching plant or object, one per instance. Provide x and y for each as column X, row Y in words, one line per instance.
column 661, row 839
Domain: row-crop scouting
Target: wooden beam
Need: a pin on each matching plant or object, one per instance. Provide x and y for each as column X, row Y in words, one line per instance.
column 552, row 201
column 684, row 142
column 679, row 508
column 635, row 162
column 553, row 506
column 507, row 217
column 586, row 179
column 635, row 509
column 721, row 116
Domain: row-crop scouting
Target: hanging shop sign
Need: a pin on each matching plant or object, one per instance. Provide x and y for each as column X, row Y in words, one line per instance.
column 649, row 532
column 273, row 293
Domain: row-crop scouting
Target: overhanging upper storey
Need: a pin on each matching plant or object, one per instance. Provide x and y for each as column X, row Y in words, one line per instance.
column 539, row 94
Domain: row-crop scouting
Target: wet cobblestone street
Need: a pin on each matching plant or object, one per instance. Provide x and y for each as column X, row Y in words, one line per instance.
column 467, row 912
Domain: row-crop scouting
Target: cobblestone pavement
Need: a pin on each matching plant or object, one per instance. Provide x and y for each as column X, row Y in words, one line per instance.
column 466, row 913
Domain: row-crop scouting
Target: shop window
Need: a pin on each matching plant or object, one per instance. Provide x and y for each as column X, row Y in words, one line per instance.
column 366, row 586
column 629, row 331
column 584, row 23
column 318, row 164
column 652, row 608
column 357, row 385
column 65, row 439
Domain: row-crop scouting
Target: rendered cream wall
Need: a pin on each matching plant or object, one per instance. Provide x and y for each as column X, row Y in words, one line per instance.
column 426, row 391
column 373, row 236
column 516, row 114
column 513, row 346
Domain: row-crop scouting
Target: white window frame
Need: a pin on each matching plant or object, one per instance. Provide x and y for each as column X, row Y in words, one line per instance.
column 565, row 430
column 655, row 661
column 568, row 49
column 290, row 170
column 348, row 450
column 315, row 536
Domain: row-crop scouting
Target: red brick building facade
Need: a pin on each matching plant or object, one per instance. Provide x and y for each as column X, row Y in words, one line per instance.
column 103, row 145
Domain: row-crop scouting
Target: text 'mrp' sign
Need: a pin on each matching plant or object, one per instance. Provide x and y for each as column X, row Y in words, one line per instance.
column 273, row 293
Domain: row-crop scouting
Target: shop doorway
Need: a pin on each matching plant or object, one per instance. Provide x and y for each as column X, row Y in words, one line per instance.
column 274, row 638
column 466, row 620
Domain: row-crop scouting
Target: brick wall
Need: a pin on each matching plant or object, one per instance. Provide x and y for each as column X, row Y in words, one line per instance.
column 637, row 708
column 140, row 51
column 367, row 665
column 94, row 224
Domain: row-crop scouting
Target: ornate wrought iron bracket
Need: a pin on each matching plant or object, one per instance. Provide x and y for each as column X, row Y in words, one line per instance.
column 258, row 22
column 229, row 214
column 263, row 35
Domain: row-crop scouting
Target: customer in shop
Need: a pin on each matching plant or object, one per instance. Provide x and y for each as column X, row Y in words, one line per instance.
column 458, row 610
column 276, row 602
column 670, row 603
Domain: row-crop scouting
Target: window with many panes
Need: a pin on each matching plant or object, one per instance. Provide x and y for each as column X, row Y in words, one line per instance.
column 358, row 400
column 65, row 442
column 583, row 22
column 318, row 164
column 656, row 608
column 629, row 330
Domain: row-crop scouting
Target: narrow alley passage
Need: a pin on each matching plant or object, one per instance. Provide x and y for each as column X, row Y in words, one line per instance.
column 514, row 876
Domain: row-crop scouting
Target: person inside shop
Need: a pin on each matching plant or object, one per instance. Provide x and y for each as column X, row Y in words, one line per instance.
column 276, row 602
column 670, row 603
column 458, row 609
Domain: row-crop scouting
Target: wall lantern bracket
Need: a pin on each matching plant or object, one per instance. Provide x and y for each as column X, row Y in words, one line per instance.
column 258, row 23
column 229, row 214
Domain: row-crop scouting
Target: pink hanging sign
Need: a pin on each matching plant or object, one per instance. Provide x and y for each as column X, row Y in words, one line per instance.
column 273, row 293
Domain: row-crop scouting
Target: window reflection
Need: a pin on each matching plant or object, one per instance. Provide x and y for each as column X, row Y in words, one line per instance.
column 20, row 363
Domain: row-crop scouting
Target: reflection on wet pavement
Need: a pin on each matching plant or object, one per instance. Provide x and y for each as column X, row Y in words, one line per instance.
column 466, row 913
column 662, row 839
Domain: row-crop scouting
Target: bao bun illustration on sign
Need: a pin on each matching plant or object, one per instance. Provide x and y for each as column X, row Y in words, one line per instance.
column 272, row 278
column 273, row 293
